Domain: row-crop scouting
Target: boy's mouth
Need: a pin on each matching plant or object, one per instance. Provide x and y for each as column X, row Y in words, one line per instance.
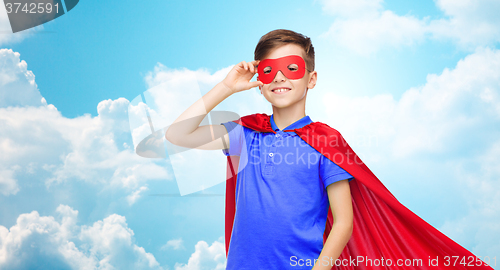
column 281, row 90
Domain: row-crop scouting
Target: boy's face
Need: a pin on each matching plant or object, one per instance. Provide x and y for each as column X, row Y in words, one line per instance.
column 284, row 92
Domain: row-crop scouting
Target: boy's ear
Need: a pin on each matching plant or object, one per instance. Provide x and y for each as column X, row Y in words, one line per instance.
column 312, row 80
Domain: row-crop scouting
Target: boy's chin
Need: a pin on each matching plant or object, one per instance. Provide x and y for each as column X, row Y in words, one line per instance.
column 281, row 105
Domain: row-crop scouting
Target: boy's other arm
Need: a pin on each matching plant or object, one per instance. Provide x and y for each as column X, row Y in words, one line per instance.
column 185, row 130
column 339, row 195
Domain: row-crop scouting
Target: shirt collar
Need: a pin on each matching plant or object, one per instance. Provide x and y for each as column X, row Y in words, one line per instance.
column 304, row 121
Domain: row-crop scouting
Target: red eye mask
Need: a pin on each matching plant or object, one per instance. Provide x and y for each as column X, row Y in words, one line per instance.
column 283, row 64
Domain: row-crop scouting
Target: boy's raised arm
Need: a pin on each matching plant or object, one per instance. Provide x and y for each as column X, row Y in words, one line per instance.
column 185, row 130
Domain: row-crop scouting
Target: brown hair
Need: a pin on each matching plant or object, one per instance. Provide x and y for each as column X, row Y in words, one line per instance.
column 281, row 37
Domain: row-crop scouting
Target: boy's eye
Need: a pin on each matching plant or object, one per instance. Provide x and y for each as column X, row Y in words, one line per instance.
column 267, row 70
column 293, row 67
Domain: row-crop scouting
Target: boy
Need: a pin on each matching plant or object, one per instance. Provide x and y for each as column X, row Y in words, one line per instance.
column 282, row 204
column 281, row 197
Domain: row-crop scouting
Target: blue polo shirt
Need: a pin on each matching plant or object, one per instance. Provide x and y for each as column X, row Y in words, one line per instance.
column 281, row 198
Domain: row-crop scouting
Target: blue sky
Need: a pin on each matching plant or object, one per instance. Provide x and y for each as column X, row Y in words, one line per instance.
column 418, row 78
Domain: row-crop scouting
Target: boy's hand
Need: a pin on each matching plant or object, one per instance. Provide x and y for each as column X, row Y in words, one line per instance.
column 238, row 79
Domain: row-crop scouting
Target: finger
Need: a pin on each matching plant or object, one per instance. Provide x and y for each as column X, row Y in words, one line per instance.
column 255, row 64
column 241, row 65
column 244, row 65
column 255, row 84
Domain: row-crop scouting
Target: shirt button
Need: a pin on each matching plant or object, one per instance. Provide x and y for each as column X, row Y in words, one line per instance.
column 271, row 154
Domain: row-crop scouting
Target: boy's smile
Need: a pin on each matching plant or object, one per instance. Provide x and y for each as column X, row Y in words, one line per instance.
column 286, row 91
column 280, row 91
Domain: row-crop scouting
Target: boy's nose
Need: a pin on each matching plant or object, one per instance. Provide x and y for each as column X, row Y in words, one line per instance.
column 279, row 76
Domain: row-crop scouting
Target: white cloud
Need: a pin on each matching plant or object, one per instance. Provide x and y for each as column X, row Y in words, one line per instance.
column 36, row 241
column 365, row 27
column 205, row 257
column 85, row 148
column 36, row 139
column 368, row 34
column 173, row 244
column 460, row 101
column 132, row 198
column 112, row 242
column 470, row 23
column 16, row 81
column 8, row 184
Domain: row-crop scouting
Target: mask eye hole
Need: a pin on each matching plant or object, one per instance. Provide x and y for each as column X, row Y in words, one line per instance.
column 267, row 70
column 293, row 67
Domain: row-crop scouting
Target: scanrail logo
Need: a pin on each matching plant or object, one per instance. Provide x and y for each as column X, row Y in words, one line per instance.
column 155, row 110
column 25, row 14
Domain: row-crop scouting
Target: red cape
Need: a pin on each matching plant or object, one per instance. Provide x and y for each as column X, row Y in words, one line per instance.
column 383, row 227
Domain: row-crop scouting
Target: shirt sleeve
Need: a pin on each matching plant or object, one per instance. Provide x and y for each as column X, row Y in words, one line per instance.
column 236, row 137
column 331, row 172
